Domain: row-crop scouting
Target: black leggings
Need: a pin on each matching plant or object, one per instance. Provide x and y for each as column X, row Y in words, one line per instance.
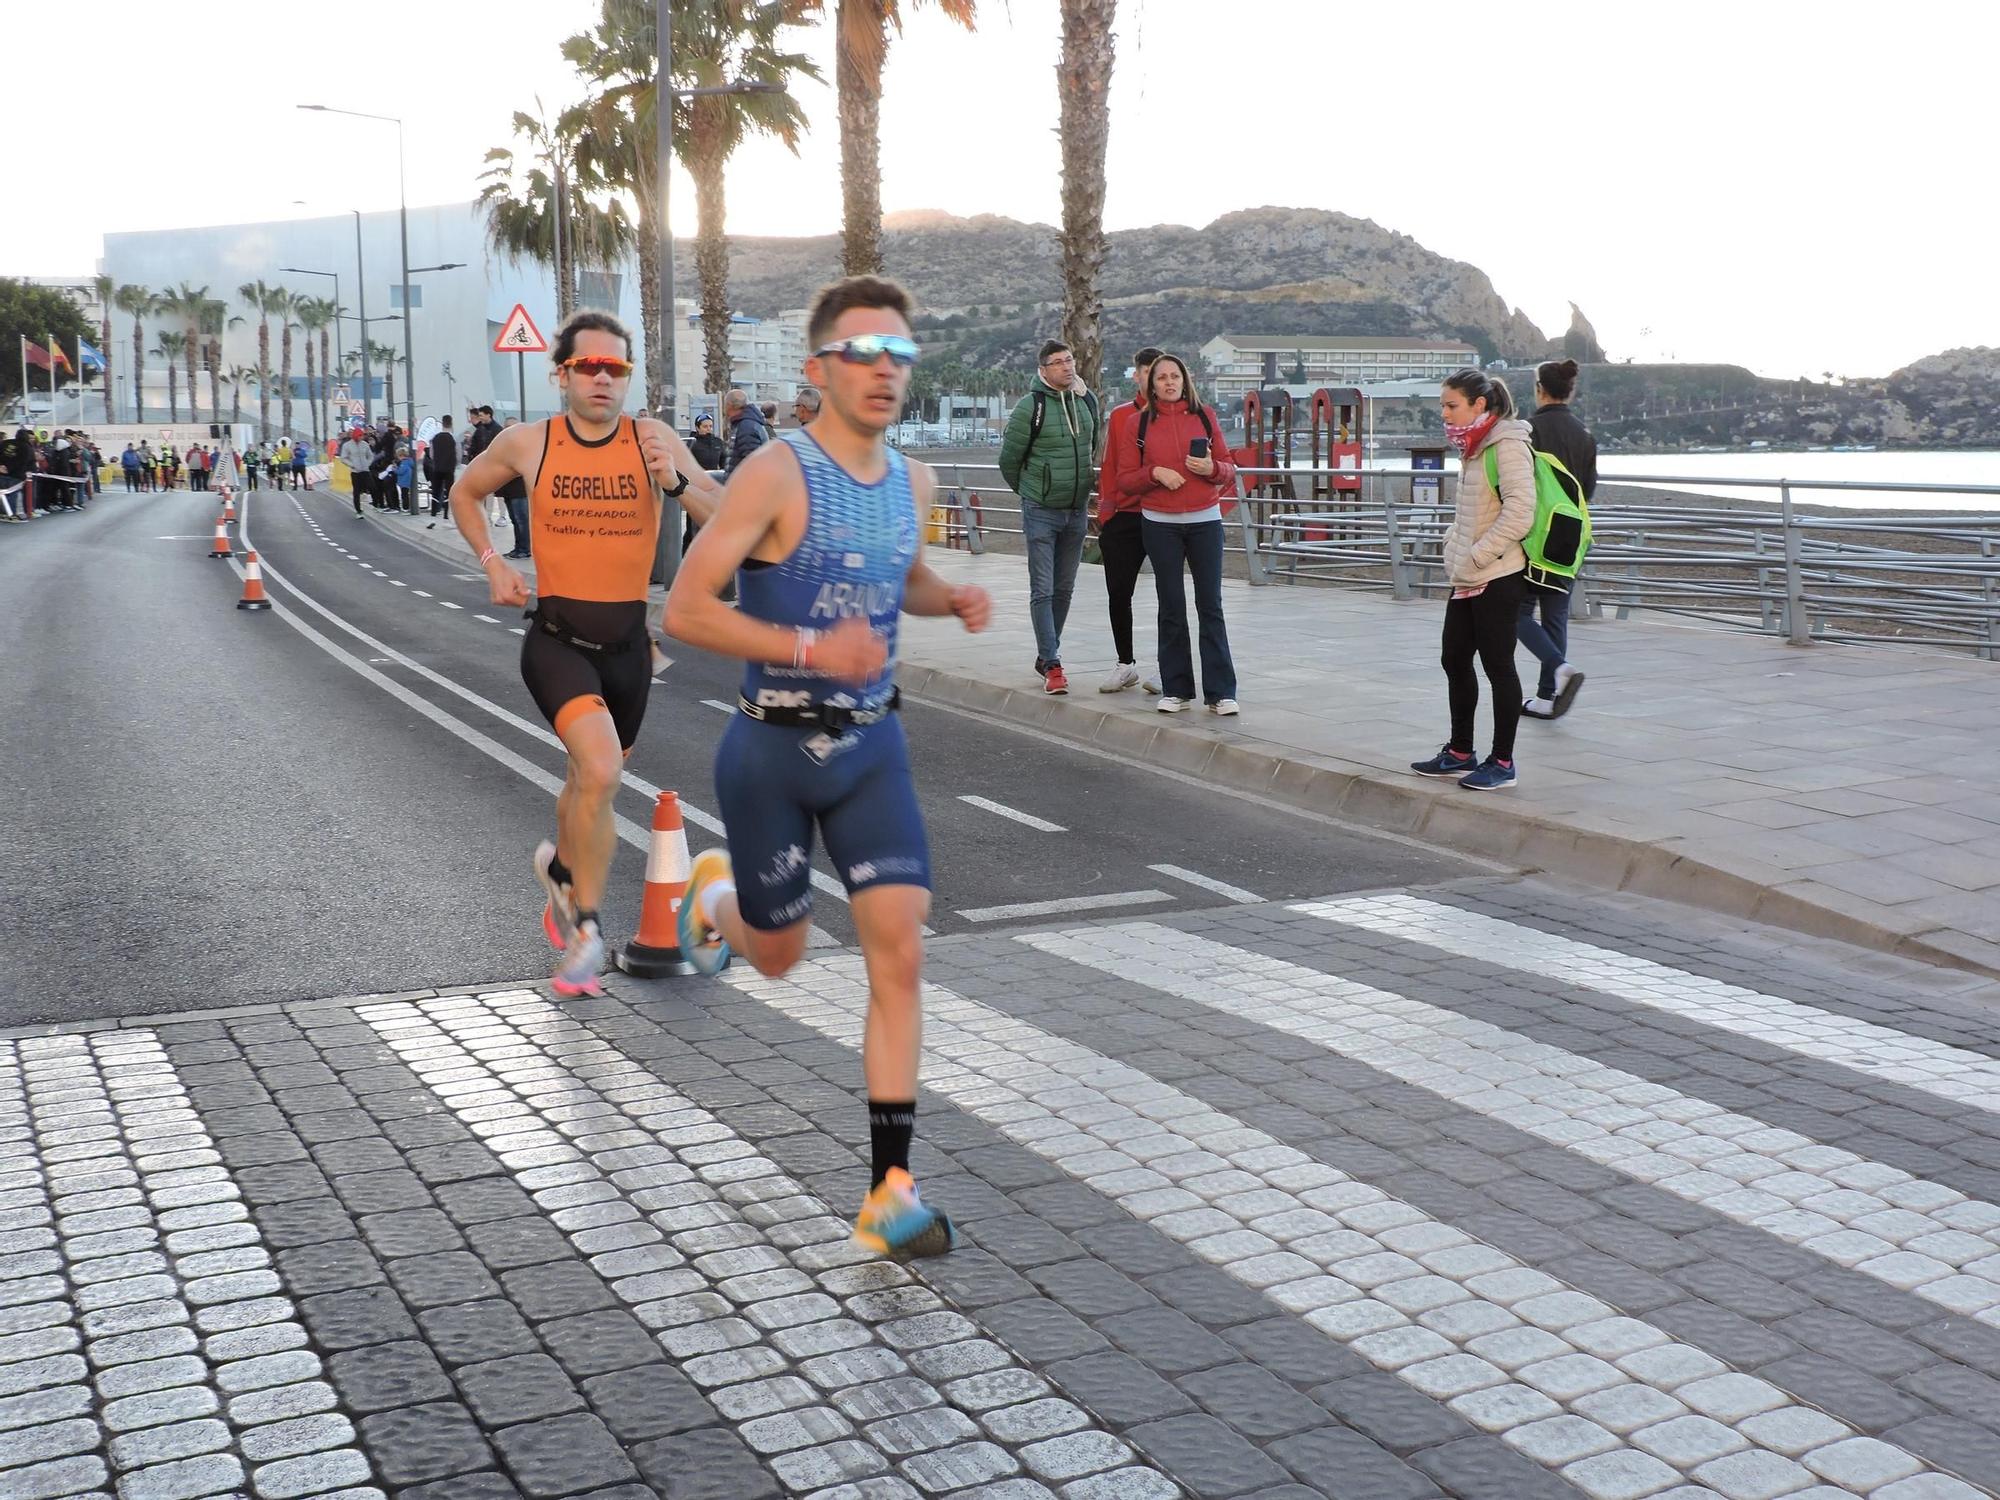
column 1122, row 543
column 1483, row 626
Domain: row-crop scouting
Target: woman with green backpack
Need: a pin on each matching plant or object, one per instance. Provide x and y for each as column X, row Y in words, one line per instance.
column 1559, row 434
column 1487, row 569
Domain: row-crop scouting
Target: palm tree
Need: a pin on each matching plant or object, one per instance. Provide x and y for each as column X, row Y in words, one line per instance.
column 861, row 49
column 138, row 302
column 238, row 377
column 616, row 127
column 214, row 322
column 526, row 196
column 263, row 301
column 386, row 359
column 286, row 305
column 107, row 291
column 172, row 346
column 186, row 305
column 315, row 315
column 1083, row 84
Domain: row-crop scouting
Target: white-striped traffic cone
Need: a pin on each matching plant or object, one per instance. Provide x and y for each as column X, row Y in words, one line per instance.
column 656, row 952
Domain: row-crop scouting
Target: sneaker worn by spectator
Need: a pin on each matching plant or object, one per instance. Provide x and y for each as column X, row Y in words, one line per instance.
column 1169, row 704
column 1447, row 762
column 1054, row 681
column 1226, row 707
column 1491, row 776
column 1122, row 676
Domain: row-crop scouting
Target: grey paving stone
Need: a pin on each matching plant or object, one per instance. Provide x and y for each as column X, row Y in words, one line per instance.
column 521, row 1388
column 1210, row 1297
column 1165, row 1339
column 1860, row 1399
column 563, row 1455
column 487, row 1486
column 1136, row 1249
column 348, row 1320
column 649, row 1402
column 182, row 1479
column 1482, row 1468
column 1040, row 1330
column 342, row 1469
column 505, row 1244
column 441, row 1279
column 409, row 1231
column 1206, row 1456
column 961, row 1467
column 381, row 1192
column 309, row 1221
column 337, row 1266
column 1951, row 1443
column 1870, row 1349
column 388, row 1375
column 1294, row 1351
column 467, row 1333
column 560, row 1289
column 481, row 1200
column 712, row 1464
column 1384, row 1409
column 594, row 1343
column 413, row 1444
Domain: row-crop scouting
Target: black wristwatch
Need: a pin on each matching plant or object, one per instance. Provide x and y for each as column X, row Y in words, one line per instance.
column 678, row 490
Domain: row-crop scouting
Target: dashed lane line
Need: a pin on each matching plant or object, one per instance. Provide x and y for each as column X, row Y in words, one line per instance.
column 1000, row 809
column 1062, row 905
column 1223, row 888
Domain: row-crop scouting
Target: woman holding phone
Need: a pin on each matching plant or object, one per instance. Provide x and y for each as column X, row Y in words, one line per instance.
column 1173, row 464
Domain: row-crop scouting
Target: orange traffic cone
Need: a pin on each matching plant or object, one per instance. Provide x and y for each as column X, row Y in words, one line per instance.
column 228, row 506
column 253, row 585
column 656, row 952
column 221, row 547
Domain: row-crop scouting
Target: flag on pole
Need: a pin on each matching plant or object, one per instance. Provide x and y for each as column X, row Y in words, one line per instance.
column 89, row 356
column 56, row 349
column 35, row 354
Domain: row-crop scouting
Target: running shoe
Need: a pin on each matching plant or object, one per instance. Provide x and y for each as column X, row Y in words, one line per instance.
column 701, row 944
column 895, row 1222
column 1490, row 777
column 582, row 961
column 559, row 915
column 1054, row 681
column 1169, row 704
column 1225, row 707
column 1123, row 676
column 1447, row 762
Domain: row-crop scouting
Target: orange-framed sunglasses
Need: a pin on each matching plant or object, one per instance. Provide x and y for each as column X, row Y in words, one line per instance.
column 590, row 366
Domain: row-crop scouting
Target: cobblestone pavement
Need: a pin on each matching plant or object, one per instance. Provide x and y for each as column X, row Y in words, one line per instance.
column 1384, row 1196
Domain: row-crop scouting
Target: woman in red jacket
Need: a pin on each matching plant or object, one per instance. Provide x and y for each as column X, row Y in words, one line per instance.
column 1173, row 464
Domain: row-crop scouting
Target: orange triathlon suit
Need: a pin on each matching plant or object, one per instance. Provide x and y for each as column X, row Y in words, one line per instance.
column 593, row 521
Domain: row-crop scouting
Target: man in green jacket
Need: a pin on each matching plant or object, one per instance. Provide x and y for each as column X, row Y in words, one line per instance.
column 1049, row 459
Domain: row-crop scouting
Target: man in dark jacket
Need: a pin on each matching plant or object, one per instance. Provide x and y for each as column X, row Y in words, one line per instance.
column 1049, row 458
column 705, row 445
column 747, row 432
column 443, row 466
column 1558, row 433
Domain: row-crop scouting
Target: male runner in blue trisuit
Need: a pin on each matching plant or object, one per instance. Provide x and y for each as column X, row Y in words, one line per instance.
column 826, row 526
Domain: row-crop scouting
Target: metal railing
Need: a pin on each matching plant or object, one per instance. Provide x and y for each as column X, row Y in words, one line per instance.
column 1861, row 577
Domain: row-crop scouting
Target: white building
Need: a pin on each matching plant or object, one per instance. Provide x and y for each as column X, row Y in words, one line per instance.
column 1239, row 362
column 455, row 315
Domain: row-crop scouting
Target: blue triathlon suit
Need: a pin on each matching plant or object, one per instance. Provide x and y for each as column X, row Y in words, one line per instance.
column 775, row 781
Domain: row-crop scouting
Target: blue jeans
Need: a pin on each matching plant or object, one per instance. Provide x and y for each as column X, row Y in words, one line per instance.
column 1549, row 640
column 1199, row 548
column 517, row 512
column 1055, row 547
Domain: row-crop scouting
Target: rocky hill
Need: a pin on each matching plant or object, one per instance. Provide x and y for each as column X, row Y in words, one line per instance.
column 990, row 283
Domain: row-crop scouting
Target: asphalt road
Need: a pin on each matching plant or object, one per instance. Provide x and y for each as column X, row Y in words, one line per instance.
column 210, row 807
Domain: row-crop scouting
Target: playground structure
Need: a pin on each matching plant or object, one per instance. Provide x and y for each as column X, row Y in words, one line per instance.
column 1325, row 506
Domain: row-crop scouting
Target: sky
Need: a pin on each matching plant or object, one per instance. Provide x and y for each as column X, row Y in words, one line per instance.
column 1792, row 186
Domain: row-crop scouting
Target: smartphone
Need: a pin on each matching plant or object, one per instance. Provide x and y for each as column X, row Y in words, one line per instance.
column 1198, row 448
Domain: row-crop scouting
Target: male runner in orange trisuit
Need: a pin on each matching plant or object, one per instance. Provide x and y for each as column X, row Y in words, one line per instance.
column 594, row 481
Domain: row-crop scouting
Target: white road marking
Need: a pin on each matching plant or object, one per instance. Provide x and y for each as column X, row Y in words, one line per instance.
column 1917, row 1236
column 576, row 1123
column 627, row 830
column 517, row 630
column 399, row 583
column 717, row 703
column 487, row 618
column 1510, row 1348
column 1029, row 819
column 1209, row 883
column 449, row 605
column 1916, row 1062
column 1062, row 905
column 420, row 593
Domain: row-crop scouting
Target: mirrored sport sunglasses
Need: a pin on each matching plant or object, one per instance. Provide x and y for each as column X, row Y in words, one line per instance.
column 868, row 349
column 590, row 366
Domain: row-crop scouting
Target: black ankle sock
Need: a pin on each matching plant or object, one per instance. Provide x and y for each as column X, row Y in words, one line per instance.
column 559, row 872
column 590, row 917
column 889, row 1128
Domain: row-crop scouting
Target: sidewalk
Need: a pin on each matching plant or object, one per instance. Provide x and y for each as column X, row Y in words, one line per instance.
column 1844, row 791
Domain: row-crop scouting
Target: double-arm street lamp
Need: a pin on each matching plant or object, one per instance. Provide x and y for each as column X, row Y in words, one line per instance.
column 340, row 354
column 403, row 211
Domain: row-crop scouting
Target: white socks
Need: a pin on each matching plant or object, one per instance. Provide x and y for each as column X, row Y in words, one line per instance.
column 711, row 895
column 1563, row 675
column 1539, row 706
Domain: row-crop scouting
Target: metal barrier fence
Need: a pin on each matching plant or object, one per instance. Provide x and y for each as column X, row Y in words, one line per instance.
column 1865, row 577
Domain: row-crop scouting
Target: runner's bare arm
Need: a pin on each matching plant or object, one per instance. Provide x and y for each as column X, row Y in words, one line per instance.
column 509, row 456
column 760, row 493
column 924, row 593
column 656, row 441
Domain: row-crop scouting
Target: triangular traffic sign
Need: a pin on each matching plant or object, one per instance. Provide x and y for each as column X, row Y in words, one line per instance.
column 519, row 335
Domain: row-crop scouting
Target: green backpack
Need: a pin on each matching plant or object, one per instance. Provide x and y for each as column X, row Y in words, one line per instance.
column 1560, row 537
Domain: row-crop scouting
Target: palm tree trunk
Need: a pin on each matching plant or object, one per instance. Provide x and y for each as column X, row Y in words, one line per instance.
column 659, row 327
column 326, row 389
column 566, row 256
column 104, row 348
column 138, row 369
column 711, row 262
column 860, row 156
column 173, row 394
column 312, row 404
column 264, row 380
column 193, row 347
column 235, row 404
column 1083, row 88
column 285, row 381
column 213, row 354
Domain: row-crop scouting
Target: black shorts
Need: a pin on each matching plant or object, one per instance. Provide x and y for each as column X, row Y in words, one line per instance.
column 567, row 681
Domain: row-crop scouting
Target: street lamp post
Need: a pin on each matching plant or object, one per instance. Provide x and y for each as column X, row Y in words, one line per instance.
column 403, row 213
column 339, row 353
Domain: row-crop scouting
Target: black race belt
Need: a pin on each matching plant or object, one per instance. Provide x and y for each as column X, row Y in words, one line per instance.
column 829, row 716
column 570, row 638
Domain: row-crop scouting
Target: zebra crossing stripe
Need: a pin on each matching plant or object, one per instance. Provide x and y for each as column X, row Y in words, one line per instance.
column 1914, row 1235
column 1558, row 1375
column 1932, row 1067
column 736, row 1267
column 134, row 1288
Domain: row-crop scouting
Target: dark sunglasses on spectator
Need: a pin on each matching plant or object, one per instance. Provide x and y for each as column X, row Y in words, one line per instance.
column 868, row 349
column 592, row 365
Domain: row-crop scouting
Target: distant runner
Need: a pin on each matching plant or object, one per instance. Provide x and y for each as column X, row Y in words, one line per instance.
column 825, row 525
column 594, row 480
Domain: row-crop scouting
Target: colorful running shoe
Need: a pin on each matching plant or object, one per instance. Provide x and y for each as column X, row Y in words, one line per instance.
column 701, row 944
column 582, row 961
column 559, row 915
column 895, row 1222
